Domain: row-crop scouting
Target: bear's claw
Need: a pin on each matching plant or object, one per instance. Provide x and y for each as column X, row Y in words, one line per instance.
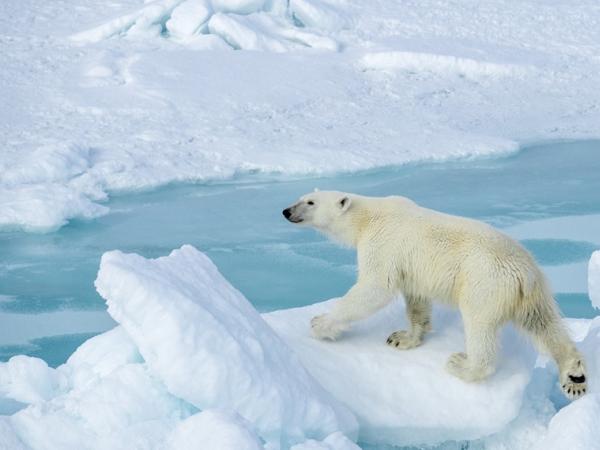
column 574, row 383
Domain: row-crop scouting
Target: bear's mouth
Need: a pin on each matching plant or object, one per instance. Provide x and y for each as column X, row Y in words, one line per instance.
column 294, row 220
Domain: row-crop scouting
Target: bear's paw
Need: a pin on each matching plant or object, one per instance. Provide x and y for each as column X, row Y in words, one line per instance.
column 325, row 327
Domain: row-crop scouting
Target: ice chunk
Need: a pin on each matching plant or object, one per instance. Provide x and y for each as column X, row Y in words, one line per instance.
column 210, row 347
column 128, row 408
column 99, row 356
column 29, row 380
column 238, row 6
column 576, row 425
column 317, row 14
column 244, row 33
column 8, row 438
column 188, row 17
column 244, row 24
column 103, row 397
column 263, row 32
column 590, row 347
column 594, row 279
column 144, row 22
column 407, row 397
column 45, row 206
column 216, row 430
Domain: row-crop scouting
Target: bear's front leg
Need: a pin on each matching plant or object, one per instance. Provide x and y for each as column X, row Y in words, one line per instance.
column 418, row 311
column 361, row 301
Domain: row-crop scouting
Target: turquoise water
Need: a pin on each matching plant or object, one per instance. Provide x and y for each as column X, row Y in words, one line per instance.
column 276, row 265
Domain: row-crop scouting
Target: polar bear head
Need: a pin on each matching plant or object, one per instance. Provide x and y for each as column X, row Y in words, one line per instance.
column 319, row 209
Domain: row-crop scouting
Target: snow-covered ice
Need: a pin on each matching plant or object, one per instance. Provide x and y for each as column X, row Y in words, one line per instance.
column 152, row 92
column 210, row 347
column 216, row 430
column 407, row 397
column 191, row 354
column 576, row 425
column 191, row 361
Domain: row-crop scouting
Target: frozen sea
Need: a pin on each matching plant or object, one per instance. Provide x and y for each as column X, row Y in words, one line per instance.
column 545, row 195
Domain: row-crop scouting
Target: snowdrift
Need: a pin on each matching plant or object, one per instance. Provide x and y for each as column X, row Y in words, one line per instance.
column 192, row 361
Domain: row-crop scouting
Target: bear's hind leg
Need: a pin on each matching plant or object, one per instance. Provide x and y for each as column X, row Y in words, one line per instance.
column 543, row 322
column 418, row 311
column 479, row 360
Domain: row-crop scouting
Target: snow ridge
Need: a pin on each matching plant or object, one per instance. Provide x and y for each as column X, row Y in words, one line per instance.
column 276, row 25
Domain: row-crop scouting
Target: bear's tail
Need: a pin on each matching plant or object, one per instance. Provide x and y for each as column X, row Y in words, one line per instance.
column 540, row 318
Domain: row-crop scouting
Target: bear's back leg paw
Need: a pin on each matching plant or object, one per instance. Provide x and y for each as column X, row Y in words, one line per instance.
column 573, row 380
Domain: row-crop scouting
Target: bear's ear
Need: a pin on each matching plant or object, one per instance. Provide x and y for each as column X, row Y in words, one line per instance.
column 344, row 203
column 316, row 190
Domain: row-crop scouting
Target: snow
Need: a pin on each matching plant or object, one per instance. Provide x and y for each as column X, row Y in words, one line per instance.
column 407, row 397
column 28, row 380
column 211, row 348
column 188, row 17
column 186, row 341
column 192, row 361
column 103, row 98
column 594, row 279
column 243, row 24
column 576, row 425
column 8, row 437
column 216, row 430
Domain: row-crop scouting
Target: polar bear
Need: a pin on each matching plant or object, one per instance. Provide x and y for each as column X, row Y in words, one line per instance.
column 403, row 248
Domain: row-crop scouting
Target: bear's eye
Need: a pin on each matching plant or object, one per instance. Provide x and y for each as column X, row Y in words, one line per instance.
column 310, row 202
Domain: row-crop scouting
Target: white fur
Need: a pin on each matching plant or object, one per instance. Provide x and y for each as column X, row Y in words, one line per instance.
column 406, row 249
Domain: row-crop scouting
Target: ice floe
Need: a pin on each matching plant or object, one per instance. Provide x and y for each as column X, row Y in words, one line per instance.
column 191, row 360
column 407, row 397
column 211, row 348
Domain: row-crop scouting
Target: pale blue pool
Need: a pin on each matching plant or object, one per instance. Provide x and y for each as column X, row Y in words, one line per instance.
column 46, row 277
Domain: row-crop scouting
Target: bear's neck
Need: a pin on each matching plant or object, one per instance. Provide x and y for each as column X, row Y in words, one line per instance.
column 351, row 227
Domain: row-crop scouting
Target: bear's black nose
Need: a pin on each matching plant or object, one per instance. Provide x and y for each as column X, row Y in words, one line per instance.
column 287, row 213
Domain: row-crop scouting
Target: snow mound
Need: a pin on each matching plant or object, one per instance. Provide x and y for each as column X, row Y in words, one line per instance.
column 211, row 348
column 439, row 64
column 9, row 440
column 594, row 279
column 216, row 430
column 108, row 399
column 275, row 25
column 407, row 397
column 28, row 380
